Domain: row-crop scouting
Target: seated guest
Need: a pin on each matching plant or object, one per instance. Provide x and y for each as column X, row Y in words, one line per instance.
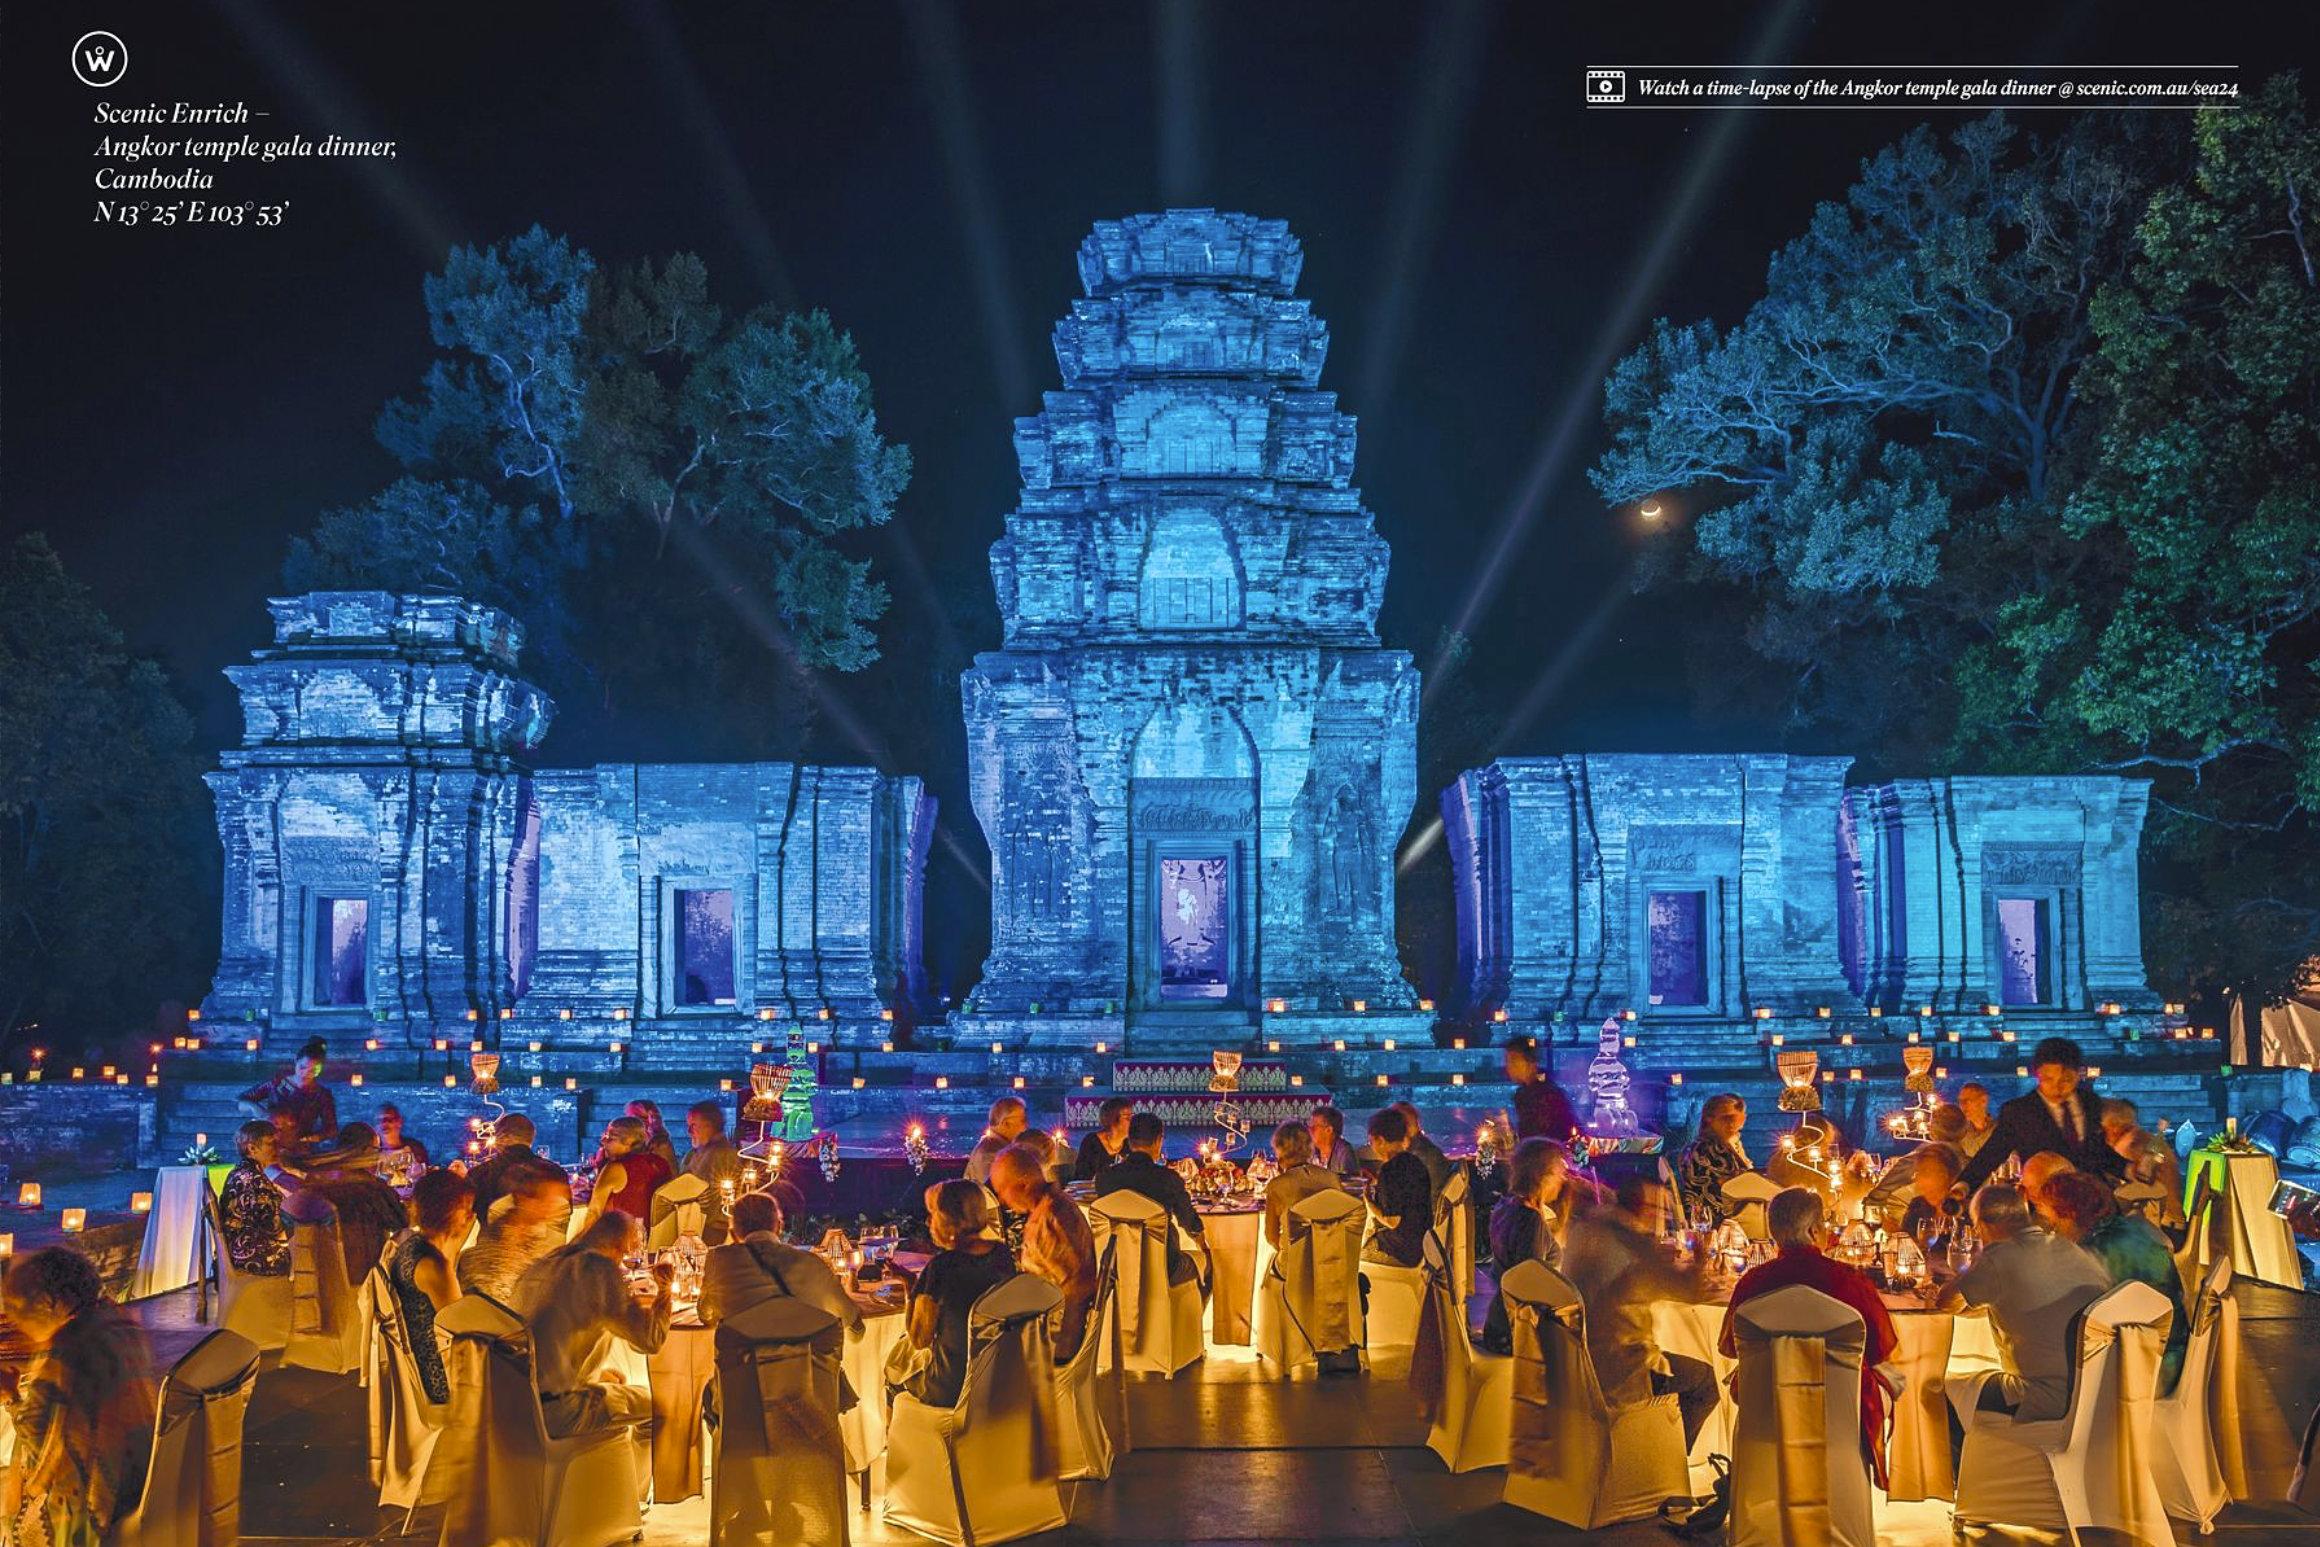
column 757, row 1265
column 1974, row 1100
column 2081, row 1210
column 2033, row 1284
column 1439, row 1166
column 1797, row 1222
column 1614, row 1258
column 419, row 1269
column 82, row 1407
column 1522, row 1228
column 1402, row 1204
column 1889, row 1197
column 714, row 1160
column 1009, row 1117
column 2062, row 1114
column 301, row 1095
column 2150, row 1162
column 656, row 1132
column 967, row 1263
column 1541, row 1110
column 1713, row 1158
column 2037, row 1171
column 1011, row 1219
column 369, row 1212
column 539, row 1206
column 1140, row 1171
column 1057, row 1244
column 1330, row 1151
column 576, row 1301
column 401, row 1158
column 250, row 1222
column 1298, row 1179
column 628, row 1173
column 512, row 1153
column 1102, row 1148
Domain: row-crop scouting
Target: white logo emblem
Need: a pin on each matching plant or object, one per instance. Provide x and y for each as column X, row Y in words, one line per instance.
column 100, row 59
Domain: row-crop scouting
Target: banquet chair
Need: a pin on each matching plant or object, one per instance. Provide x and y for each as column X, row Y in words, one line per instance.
column 403, row 1423
column 1454, row 1223
column 678, row 1209
column 1390, row 1319
column 1091, row 1395
column 1469, row 1395
column 1159, row 1321
column 1798, row 1474
column 326, row 1331
column 778, row 1474
column 1309, row 1301
column 193, row 1483
column 2191, row 1480
column 256, row 1305
column 985, row 1469
column 505, row 1480
column 2096, row 1466
column 1571, row 1456
column 1752, row 1192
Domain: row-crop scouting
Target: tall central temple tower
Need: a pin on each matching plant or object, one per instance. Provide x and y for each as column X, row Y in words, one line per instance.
column 1191, row 758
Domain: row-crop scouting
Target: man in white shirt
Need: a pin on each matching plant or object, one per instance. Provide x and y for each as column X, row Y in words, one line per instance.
column 2033, row 1284
column 1009, row 1117
column 758, row 1265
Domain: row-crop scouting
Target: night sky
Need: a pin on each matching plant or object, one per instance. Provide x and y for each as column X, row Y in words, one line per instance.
column 176, row 403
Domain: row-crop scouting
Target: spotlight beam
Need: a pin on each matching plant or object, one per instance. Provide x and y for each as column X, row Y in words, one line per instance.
column 1179, row 31
column 1620, row 326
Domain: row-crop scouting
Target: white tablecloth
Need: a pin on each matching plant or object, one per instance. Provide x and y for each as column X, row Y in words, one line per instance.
column 166, row 1261
column 2261, row 1245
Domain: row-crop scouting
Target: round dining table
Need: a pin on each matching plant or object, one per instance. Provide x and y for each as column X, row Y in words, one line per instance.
column 1935, row 1346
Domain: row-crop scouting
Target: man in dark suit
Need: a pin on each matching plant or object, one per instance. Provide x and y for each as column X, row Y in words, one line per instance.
column 1139, row 1170
column 2063, row 1114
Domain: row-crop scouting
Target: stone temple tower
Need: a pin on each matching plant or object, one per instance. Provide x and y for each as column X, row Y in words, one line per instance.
column 1191, row 758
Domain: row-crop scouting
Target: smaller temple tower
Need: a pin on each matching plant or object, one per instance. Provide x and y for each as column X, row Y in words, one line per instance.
column 371, row 814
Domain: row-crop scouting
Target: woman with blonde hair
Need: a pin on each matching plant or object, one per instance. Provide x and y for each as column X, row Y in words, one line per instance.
column 968, row 1263
column 83, row 1410
column 628, row 1173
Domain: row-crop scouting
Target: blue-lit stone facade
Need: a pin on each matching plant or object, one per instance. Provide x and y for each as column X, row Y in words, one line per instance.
column 397, row 868
column 1707, row 891
column 1190, row 757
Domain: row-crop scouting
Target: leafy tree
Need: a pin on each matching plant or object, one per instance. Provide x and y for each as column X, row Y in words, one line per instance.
column 2186, row 652
column 2011, row 470
column 630, row 464
column 107, row 849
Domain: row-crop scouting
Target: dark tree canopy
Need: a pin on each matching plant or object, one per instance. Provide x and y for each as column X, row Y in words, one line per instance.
column 2012, row 470
column 108, row 850
column 657, row 489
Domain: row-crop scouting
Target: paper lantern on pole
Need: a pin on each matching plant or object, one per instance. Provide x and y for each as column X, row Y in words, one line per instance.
column 1917, row 1058
column 1796, row 1067
column 766, row 1083
column 485, row 1069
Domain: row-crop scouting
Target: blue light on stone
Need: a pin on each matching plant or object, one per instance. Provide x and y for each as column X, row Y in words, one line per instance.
column 1190, row 756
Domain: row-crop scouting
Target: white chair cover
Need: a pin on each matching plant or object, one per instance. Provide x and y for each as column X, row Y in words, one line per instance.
column 1798, row 1476
column 404, row 1424
column 193, row 1487
column 779, row 1474
column 1159, row 1321
column 1752, row 1191
column 985, row 1470
column 2191, row 1480
column 1309, row 1302
column 1091, row 1393
column 1570, row 1456
column 326, row 1327
column 1468, row 1396
column 255, row 1305
column 2097, row 1465
column 679, row 1208
column 1454, row 1223
column 506, row 1483
column 1390, row 1324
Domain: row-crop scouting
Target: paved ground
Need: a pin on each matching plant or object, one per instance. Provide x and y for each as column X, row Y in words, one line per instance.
column 1224, row 1457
